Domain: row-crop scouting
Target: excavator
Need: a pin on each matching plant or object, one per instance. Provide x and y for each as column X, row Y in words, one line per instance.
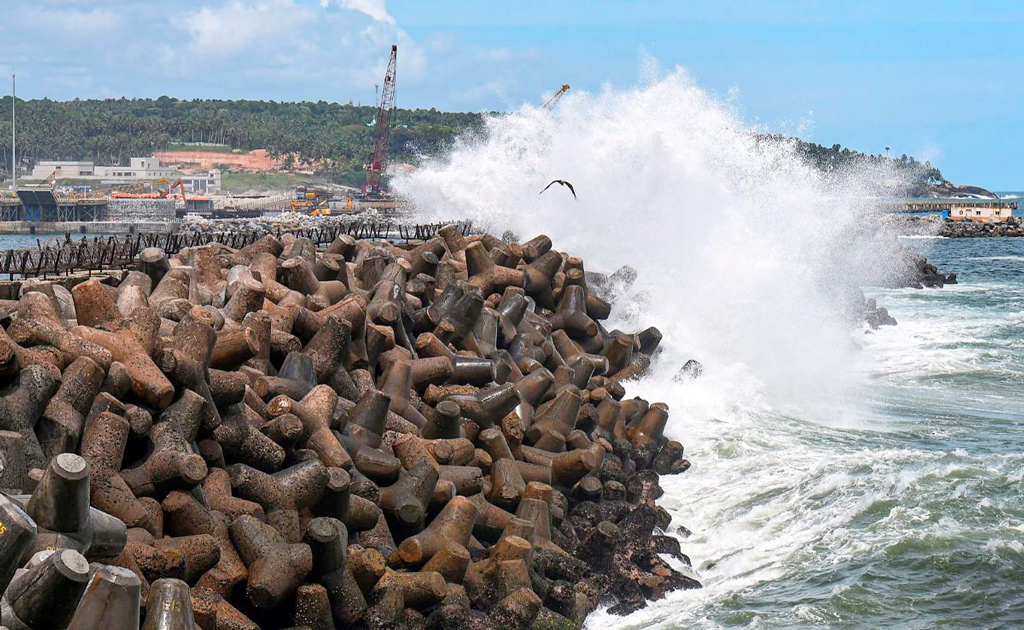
column 321, row 209
column 180, row 185
column 313, row 201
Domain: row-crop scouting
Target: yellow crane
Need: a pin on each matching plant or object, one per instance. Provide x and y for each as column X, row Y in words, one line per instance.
column 551, row 102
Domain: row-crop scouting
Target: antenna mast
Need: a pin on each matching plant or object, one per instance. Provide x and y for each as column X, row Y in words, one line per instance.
column 14, row 137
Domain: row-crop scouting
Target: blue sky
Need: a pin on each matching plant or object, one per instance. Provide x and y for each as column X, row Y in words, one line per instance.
column 939, row 80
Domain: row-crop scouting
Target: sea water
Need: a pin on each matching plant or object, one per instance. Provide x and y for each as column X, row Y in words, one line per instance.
column 31, row 241
column 841, row 478
column 907, row 515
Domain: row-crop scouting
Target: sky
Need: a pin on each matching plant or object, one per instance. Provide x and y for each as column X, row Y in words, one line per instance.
column 939, row 80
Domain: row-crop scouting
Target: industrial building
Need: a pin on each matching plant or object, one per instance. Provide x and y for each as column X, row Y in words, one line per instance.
column 146, row 169
column 139, row 169
column 207, row 183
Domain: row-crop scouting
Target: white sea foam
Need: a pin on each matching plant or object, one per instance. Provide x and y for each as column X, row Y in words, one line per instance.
column 737, row 244
column 734, row 239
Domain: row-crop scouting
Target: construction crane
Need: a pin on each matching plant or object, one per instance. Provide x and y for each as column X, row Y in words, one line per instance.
column 551, row 102
column 378, row 162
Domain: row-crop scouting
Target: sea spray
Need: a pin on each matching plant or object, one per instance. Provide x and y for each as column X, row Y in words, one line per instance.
column 830, row 487
column 744, row 250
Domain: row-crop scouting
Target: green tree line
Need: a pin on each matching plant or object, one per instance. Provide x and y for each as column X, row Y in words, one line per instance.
column 337, row 137
column 916, row 176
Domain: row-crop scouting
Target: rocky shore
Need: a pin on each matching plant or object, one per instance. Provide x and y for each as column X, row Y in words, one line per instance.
column 436, row 435
column 935, row 226
column 1014, row 226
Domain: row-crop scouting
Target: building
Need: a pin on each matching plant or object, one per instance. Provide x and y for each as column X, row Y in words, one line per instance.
column 983, row 211
column 139, row 169
column 63, row 170
column 979, row 210
column 208, row 183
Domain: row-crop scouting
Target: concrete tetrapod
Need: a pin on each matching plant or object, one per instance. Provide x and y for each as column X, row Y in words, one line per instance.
column 471, row 470
column 47, row 595
column 111, row 600
column 169, row 606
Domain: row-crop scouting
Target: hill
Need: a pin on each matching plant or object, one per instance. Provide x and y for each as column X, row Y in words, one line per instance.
column 334, row 138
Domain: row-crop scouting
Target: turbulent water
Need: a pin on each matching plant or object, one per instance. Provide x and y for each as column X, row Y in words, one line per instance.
column 906, row 512
column 839, row 479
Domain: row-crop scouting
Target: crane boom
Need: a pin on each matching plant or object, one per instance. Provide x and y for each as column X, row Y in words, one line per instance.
column 378, row 163
column 551, row 102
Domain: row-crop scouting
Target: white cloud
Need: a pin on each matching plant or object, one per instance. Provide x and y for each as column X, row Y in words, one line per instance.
column 239, row 26
column 376, row 9
column 70, row 23
column 334, row 50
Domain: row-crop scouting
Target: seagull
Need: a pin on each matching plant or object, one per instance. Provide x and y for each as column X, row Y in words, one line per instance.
column 562, row 182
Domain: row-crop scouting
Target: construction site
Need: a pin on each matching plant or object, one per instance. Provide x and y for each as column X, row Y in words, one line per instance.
column 153, row 196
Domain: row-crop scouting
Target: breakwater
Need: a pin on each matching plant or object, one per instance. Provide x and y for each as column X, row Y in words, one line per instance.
column 947, row 228
column 435, row 434
column 1013, row 227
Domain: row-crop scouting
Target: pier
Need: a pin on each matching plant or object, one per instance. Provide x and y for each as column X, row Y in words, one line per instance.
column 980, row 210
column 42, row 205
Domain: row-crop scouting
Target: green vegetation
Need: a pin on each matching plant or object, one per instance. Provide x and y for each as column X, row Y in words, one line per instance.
column 336, row 138
column 919, row 176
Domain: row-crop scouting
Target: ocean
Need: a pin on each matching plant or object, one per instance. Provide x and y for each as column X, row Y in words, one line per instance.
column 841, row 478
column 905, row 512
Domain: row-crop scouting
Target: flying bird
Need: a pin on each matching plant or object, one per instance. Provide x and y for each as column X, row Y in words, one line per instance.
column 562, row 182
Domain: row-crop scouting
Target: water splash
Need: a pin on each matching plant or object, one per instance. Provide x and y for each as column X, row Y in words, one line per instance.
column 802, row 514
column 740, row 245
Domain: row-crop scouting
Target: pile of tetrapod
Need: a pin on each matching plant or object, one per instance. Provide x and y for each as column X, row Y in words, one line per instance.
column 367, row 435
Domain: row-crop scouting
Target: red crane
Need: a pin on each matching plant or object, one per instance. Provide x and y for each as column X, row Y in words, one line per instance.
column 380, row 148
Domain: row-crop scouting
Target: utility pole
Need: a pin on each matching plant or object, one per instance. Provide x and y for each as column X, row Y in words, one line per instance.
column 14, row 137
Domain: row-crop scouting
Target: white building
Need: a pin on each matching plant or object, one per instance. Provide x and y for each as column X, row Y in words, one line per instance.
column 140, row 169
column 206, row 183
column 64, row 170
